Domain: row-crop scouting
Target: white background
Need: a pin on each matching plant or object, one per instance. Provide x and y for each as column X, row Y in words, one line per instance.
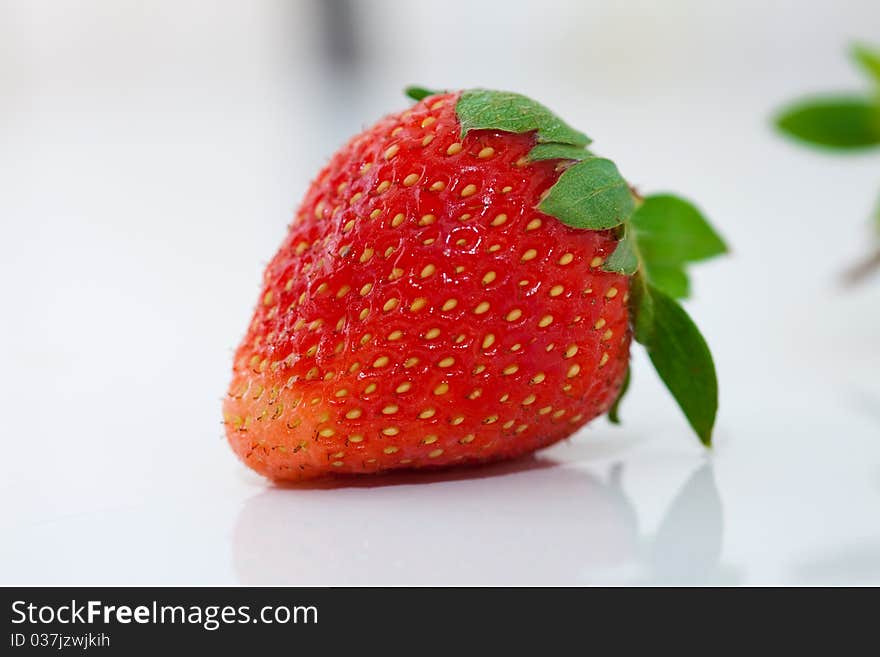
column 151, row 155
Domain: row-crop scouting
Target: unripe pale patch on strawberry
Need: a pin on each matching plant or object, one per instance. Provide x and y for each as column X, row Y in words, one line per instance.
column 453, row 289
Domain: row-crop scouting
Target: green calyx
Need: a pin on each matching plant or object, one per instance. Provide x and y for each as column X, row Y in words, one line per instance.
column 656, row 243
column 483, row 109
column 658, row 236
column 417, row 93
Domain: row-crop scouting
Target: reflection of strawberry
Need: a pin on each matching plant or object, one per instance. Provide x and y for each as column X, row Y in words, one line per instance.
column 422, row 311
column 364, row 534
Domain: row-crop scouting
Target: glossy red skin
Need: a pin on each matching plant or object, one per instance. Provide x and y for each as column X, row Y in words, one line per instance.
column 312, row 393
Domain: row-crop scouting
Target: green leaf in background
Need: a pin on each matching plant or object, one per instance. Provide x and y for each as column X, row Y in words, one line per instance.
column 483, row 109
column 614, row 412
column 556, row 151
column 590, row 194
column 624, row 259
column 868, row 58
column 842, row 122
column 683, row 361
column 417, row 93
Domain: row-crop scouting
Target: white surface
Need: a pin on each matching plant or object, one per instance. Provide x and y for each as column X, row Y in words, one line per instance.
column 150, row 162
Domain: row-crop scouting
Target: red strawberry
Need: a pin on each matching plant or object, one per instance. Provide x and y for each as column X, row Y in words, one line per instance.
column 422, row 311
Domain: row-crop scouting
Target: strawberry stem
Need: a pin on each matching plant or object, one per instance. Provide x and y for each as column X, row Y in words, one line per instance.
column 863, row 270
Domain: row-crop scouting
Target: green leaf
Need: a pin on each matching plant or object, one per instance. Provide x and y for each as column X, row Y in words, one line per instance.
column 483, row 109
column 614, row 412
column 671, row 231
column 868, row 58
column 417, row 93
column 590, row 194
column 682, row 359
column 641, row 309
column 555, row 151
column 624, row 259
column 842, row 122
column 672, row 280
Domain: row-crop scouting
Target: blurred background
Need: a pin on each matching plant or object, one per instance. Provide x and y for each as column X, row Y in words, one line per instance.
column 152, row 153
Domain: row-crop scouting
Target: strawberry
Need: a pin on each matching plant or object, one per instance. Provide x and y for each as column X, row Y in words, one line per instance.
column 461, row 284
